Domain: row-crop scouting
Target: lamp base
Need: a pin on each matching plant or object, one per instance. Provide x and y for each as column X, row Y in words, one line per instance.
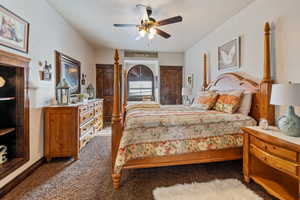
column 290, row 123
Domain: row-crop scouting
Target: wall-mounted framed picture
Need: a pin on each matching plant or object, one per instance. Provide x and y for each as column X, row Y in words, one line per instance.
column 190, row 81
column 69, row 69
column 14, row 31
column 229, row 55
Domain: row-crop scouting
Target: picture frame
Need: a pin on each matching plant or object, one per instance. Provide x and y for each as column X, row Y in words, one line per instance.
column 14, row 31
column 190, row 81
column 229, row 55
column 70, row 69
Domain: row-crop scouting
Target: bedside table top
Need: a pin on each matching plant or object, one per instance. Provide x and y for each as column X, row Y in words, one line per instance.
column 275, row 132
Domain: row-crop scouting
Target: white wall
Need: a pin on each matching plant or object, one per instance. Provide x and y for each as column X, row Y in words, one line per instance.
column 106, row 55
column 249, row 23
column 48, row 32
column 171, row 59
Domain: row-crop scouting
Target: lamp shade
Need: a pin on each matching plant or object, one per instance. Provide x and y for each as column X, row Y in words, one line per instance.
column 187, row 91
column 286, row 94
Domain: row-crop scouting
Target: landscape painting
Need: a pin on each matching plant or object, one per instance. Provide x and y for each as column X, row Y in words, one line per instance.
column 68, row 68
column 13, row 31
column 229, row 55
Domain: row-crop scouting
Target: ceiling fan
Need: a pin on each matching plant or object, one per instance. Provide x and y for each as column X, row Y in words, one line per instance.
column 149, row 26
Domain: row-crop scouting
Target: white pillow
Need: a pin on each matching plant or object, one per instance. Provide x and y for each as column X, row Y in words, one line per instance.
column 246, row 102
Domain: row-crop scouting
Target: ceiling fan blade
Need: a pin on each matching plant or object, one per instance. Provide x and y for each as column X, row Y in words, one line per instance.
column 126, row 25
column 170, row 21
column 163, row 33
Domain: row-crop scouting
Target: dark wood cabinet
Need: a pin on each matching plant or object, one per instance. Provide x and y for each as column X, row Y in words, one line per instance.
column 14, row 109
column 170, row 85
column 105, row 88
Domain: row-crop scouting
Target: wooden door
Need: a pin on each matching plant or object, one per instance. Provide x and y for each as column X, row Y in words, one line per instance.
column 105, row 88
column 170, row 85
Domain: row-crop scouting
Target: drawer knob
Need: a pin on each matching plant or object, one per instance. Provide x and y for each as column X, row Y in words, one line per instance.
column 265, row 158
column 265, row 147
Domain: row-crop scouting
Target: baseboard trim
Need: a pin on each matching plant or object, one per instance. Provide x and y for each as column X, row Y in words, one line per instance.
column 21, row 177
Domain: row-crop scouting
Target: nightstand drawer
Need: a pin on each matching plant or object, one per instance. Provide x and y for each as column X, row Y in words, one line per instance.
column 273, row 149
column 273, row 161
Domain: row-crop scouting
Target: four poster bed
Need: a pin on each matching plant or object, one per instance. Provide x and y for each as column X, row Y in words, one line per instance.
column 144, row 137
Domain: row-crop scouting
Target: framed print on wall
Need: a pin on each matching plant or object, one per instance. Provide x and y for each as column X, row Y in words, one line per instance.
column 190, row 81
column 229, row 55
column 68, row 68
column 14, row 31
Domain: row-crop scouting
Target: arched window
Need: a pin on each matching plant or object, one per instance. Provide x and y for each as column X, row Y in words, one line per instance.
column 140, row 83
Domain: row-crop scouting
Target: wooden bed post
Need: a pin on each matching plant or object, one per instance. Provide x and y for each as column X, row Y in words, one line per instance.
column 116, row 122
column 124, row 92
column 204, row 85
column 267, row 111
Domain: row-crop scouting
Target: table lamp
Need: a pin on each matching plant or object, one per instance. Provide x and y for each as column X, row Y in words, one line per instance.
column 287, row 94
column 186, row 92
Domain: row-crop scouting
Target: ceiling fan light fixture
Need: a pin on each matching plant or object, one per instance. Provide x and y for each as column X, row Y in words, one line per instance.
column 150, row 36
column 152, row 31
column 142, row 33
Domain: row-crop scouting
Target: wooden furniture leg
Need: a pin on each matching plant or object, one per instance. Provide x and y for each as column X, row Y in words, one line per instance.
column 116, row 179
column 246, row 158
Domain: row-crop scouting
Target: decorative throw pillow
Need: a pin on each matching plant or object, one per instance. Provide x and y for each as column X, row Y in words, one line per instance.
column 229, row 102
column 205, row 100
column 245, row 103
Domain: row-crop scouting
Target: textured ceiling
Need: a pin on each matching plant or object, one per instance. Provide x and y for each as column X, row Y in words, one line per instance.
column 94, row 20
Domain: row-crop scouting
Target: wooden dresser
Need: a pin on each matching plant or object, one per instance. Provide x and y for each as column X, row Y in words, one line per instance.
column 272, row 160
column 68, row 128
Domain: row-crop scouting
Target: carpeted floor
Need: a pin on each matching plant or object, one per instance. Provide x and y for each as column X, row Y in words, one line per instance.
column 89, row 178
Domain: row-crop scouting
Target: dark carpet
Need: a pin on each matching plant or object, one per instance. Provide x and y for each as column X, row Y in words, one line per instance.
column 89, row 178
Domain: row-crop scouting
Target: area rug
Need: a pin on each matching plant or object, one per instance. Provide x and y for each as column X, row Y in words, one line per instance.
column 228, row 189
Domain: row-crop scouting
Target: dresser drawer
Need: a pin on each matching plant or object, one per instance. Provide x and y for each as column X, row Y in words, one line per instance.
column 91, row 106
column 98, row 125
column 275, row 150
column 86, row 117
column 274, row 161
column 98, row 110
column 86, row 138
column 97, row 103
column 86, row 127
column 83, row 108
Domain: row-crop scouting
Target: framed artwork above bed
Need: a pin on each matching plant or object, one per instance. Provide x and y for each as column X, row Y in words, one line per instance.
column 68, row 68
column 229, row 55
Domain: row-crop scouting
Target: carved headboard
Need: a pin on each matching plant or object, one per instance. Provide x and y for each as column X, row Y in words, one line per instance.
column 260, row 107
column 230, row 81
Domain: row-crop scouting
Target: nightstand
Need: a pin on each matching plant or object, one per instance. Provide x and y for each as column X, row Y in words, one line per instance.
column 272, row 160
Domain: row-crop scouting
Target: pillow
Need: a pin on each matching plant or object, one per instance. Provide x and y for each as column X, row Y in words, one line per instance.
column 229, row 102
column 246, row 102
column 205, row 100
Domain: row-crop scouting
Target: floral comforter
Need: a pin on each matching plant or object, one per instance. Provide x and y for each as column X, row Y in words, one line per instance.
column 178, row 129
